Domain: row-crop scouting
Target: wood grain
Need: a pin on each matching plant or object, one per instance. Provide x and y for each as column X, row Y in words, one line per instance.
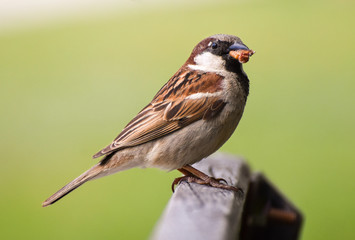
column 202, row 212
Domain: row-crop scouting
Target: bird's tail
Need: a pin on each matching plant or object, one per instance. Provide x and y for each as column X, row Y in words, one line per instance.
column 77, row 182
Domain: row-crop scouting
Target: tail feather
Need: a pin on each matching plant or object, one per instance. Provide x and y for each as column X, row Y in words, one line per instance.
column 77, row 182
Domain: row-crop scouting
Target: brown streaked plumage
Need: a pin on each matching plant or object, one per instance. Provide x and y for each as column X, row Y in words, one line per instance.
column 189, row 118
column 169, row 110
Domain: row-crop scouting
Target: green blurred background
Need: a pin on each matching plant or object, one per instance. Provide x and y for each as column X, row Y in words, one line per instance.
column 68, row 88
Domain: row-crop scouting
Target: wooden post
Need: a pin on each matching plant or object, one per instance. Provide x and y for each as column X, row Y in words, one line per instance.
column 201, row 212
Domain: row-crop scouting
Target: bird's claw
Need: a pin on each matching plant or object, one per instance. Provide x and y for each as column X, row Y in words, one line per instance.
column 210, row 181
column 187, row 178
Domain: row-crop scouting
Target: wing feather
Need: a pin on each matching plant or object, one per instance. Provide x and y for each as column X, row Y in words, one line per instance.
column 160, row 123
column 165, row 115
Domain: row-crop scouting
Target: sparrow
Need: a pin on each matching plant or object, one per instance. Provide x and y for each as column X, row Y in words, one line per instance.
column 189, row 118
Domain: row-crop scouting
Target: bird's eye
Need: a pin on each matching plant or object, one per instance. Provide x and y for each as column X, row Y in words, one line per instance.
column 214, row 45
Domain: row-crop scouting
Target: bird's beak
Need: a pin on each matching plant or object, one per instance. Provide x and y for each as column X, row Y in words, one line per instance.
column 240, row 52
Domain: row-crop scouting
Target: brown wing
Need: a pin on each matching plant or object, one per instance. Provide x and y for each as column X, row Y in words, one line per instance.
column 165, row 115
column 154, row 121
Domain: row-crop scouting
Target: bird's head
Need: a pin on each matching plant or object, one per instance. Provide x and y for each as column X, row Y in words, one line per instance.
column 220, row 52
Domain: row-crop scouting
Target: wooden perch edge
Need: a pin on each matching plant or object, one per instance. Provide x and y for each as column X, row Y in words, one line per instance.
column 201, row 212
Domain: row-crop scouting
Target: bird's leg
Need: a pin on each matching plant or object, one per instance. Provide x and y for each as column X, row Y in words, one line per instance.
column 187, row 177
column 191, row 174
column 203, row 178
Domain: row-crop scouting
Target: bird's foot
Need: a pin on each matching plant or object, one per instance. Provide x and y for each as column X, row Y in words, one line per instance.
column 217, row 183
column 187, row 178
column 192, row 175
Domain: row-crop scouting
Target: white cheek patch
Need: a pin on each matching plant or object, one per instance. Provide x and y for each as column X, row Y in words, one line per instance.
column 208, row 62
